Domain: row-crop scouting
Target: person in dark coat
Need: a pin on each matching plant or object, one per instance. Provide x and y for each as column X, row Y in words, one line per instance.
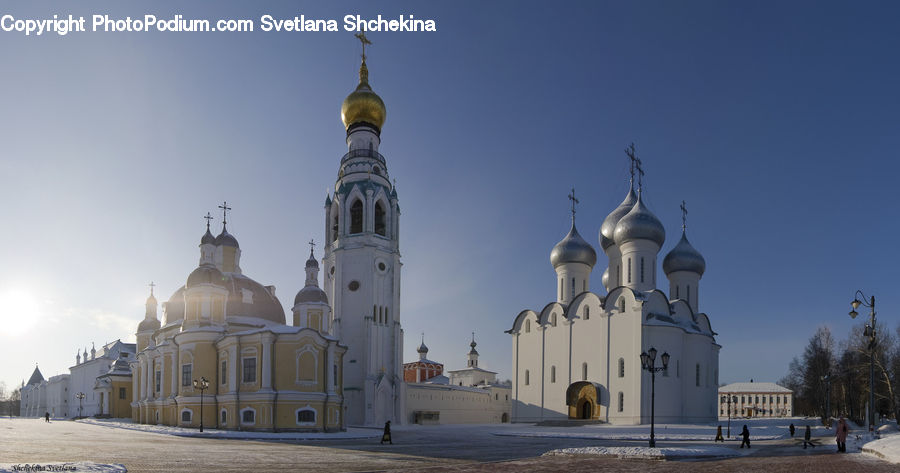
column 745, row 435
column 47, row 416
column 791, row 428
column 806, row 436
column 386, row 436
column 719, row 437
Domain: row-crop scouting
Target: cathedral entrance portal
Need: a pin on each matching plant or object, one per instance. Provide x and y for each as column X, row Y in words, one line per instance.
column 583, row 399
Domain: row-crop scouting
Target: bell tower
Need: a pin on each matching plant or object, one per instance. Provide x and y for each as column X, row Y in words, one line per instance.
column 362, row 264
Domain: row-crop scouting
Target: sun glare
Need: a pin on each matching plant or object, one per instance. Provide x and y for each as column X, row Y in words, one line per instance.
column 19, row 311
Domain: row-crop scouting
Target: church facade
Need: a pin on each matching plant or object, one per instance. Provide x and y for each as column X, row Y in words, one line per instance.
column 362, row 265
column 337, row 364
column 578, row 357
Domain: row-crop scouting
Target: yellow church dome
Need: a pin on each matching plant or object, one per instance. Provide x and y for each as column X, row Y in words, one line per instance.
column 363, row 105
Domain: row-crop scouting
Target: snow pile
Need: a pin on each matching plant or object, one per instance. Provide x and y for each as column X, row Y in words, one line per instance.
column 89, row 467
column 760, row 429
column 660, row 453
column 887, row 448
column 351, row 433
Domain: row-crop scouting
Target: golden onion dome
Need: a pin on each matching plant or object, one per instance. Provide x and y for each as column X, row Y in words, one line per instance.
column 363, row 105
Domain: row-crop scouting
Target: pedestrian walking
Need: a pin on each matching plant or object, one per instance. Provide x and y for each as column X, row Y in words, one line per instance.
column 806, row 436
column 791, row 428
column 719, row 434
column 840, row 435
column 745, row 435
column 386, row 436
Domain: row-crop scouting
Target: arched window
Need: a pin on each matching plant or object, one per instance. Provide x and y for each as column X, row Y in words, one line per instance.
column 584, row 372
column 553, row 320
column 697, row 381
column 224, row 417
column 306, row 416
column 676, row 292
column 380, row 227
column 689, row 293
column 306, row 366
column 587, row 313
column 527, row 326
column 356, row 217
column 621, row 401
column 527, row 378
column 629, row 270
column 185, row 416
column 248, row 416
column 621, row 367
column 642, row 269
column 553, row 374
column 334, row 227
column 572, row 292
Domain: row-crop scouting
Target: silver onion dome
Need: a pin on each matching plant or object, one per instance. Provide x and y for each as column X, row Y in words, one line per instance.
column 573, row 249
column 684, row 257
column 208, row 238
column 226, row 239
column 604, row 280
column 311, row 262
column 422, row 348
column 608, row 227
column 639, row 224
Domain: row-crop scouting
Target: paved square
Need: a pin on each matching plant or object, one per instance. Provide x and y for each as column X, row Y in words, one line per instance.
column 439, row 448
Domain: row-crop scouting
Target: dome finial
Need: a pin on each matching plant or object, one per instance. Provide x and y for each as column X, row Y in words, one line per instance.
column 151, row 288
column 363, row 70
column 683, row 217
column 312, row 246
column 208, row 217
column 636, row 165
column 225, row 208
column 574, row 201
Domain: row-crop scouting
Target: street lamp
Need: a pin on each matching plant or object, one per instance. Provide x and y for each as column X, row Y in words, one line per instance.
column 827, row 379
column 202, row 385
column 869, row 332
column 730, row 397
column 80, row 397
column 648, row 363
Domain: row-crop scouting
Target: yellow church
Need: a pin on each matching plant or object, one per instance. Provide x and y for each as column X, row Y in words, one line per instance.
column 223, row 336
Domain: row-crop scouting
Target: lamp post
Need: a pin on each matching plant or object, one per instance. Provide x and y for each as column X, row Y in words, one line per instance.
column 869, row 332
column 827, row 379
column 729, row 413
column 648, row 363
column 80, row 397
column 202, row 385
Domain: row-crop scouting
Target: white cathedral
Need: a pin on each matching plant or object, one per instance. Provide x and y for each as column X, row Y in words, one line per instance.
column 579, row 357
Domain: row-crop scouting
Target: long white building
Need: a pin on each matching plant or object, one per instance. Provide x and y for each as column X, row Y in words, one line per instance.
column 578, row 357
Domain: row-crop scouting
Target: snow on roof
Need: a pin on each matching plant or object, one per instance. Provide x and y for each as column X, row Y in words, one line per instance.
column 472, row 369
column 753, row 388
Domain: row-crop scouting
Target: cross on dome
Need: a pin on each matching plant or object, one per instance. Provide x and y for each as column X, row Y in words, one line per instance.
column 361, row 36
column 312, row 246
column 636, row 165
column 208, row 217
column 225, row 208
column 574, row 201
column 683, row 216
column 151, row 287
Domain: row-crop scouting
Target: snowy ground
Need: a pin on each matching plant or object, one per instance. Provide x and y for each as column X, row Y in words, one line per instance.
column 887, row 447
column 760, row 429
column 351, row 433
column 89, row 467
column 659, row 453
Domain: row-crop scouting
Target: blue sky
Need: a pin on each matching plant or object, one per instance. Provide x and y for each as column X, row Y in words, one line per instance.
column 775, row 121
